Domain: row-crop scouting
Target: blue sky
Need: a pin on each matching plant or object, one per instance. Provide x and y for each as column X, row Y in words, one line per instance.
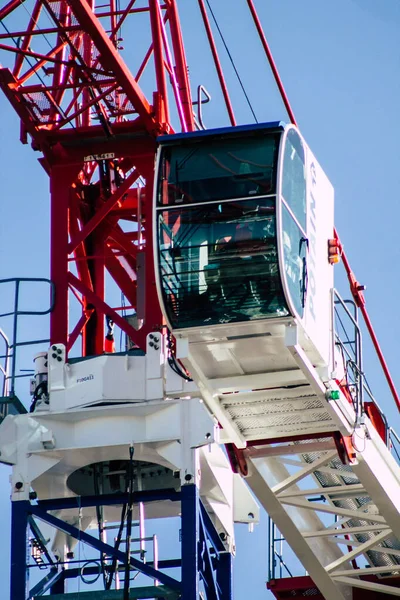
column 340, row 63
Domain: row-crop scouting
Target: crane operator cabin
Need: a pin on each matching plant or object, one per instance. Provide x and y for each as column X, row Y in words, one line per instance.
column 244, row 216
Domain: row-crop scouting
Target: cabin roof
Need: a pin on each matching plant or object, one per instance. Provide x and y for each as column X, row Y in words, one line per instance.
column 221, row 131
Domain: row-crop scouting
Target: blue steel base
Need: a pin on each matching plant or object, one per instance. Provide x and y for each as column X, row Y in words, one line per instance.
column 205, row 564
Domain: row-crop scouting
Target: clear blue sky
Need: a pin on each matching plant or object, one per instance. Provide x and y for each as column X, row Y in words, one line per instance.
column 340, row 63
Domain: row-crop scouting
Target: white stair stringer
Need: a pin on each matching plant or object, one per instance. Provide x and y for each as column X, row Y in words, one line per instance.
column 359, row 506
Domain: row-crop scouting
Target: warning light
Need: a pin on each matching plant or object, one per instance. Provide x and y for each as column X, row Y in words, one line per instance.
column 334, row 251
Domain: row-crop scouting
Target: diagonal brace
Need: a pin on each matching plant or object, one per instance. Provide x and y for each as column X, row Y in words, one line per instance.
column 102, row 212
column 104, row 548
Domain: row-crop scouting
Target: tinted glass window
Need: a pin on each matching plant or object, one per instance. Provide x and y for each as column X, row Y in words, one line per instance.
column 220, row 169
column 219, row 264
column 293, row 177
column 294, row 254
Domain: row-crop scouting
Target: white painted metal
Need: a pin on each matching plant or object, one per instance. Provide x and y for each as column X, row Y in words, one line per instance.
column 47, row 446
column 366, row 585
column 368, row 527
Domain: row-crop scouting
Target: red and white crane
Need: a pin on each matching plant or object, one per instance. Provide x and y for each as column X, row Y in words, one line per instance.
column 294, row 413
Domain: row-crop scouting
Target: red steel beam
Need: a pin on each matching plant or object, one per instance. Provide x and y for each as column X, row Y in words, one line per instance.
column 49, row 56
column 122, row 278
column 79, row 253
column 8, row 8
column 42, row 57
column 35, row 32
column 357, row 292
column 88, row 104
column 101, row 306
column 8, row 85
column 113, row 62
column 118, row 236
column 73, row 336
column 102, row 212
column 61, row 179
column 27, row 36
column 217, row 63
column 182, row 73
column 271, row 61
column 162, row 112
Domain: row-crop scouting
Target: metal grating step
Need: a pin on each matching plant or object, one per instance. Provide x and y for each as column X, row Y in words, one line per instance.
column 277, row 412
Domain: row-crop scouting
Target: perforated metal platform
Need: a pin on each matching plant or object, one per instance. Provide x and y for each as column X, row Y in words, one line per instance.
column 277, row 412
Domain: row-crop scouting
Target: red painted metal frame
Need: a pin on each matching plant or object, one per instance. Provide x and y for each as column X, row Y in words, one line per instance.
column 60, row 95
column 294, row 587
column 80, row 100
column 217, row 62
column 303, row 586
column 271, row 61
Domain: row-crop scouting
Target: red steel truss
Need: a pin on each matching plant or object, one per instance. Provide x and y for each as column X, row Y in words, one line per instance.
column 87, row 114
column 83, row 109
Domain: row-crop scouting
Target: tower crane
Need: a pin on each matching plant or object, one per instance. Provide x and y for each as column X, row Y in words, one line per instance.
column 239, row 380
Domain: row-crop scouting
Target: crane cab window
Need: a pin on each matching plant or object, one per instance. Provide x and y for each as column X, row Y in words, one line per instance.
column 294, row 238
column 217, row 229
column 294, row 177
column 219, row 263
column 218, row 170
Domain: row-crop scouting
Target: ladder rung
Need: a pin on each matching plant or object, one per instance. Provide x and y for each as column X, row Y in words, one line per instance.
column 116, row 526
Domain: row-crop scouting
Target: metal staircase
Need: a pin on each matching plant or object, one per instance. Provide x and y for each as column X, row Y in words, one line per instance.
column 332, row 514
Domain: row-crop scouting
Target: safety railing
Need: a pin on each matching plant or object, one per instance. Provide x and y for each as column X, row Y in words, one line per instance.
column 9, row 359
column 348, row 341
column 4, row 365
column 277, row 567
